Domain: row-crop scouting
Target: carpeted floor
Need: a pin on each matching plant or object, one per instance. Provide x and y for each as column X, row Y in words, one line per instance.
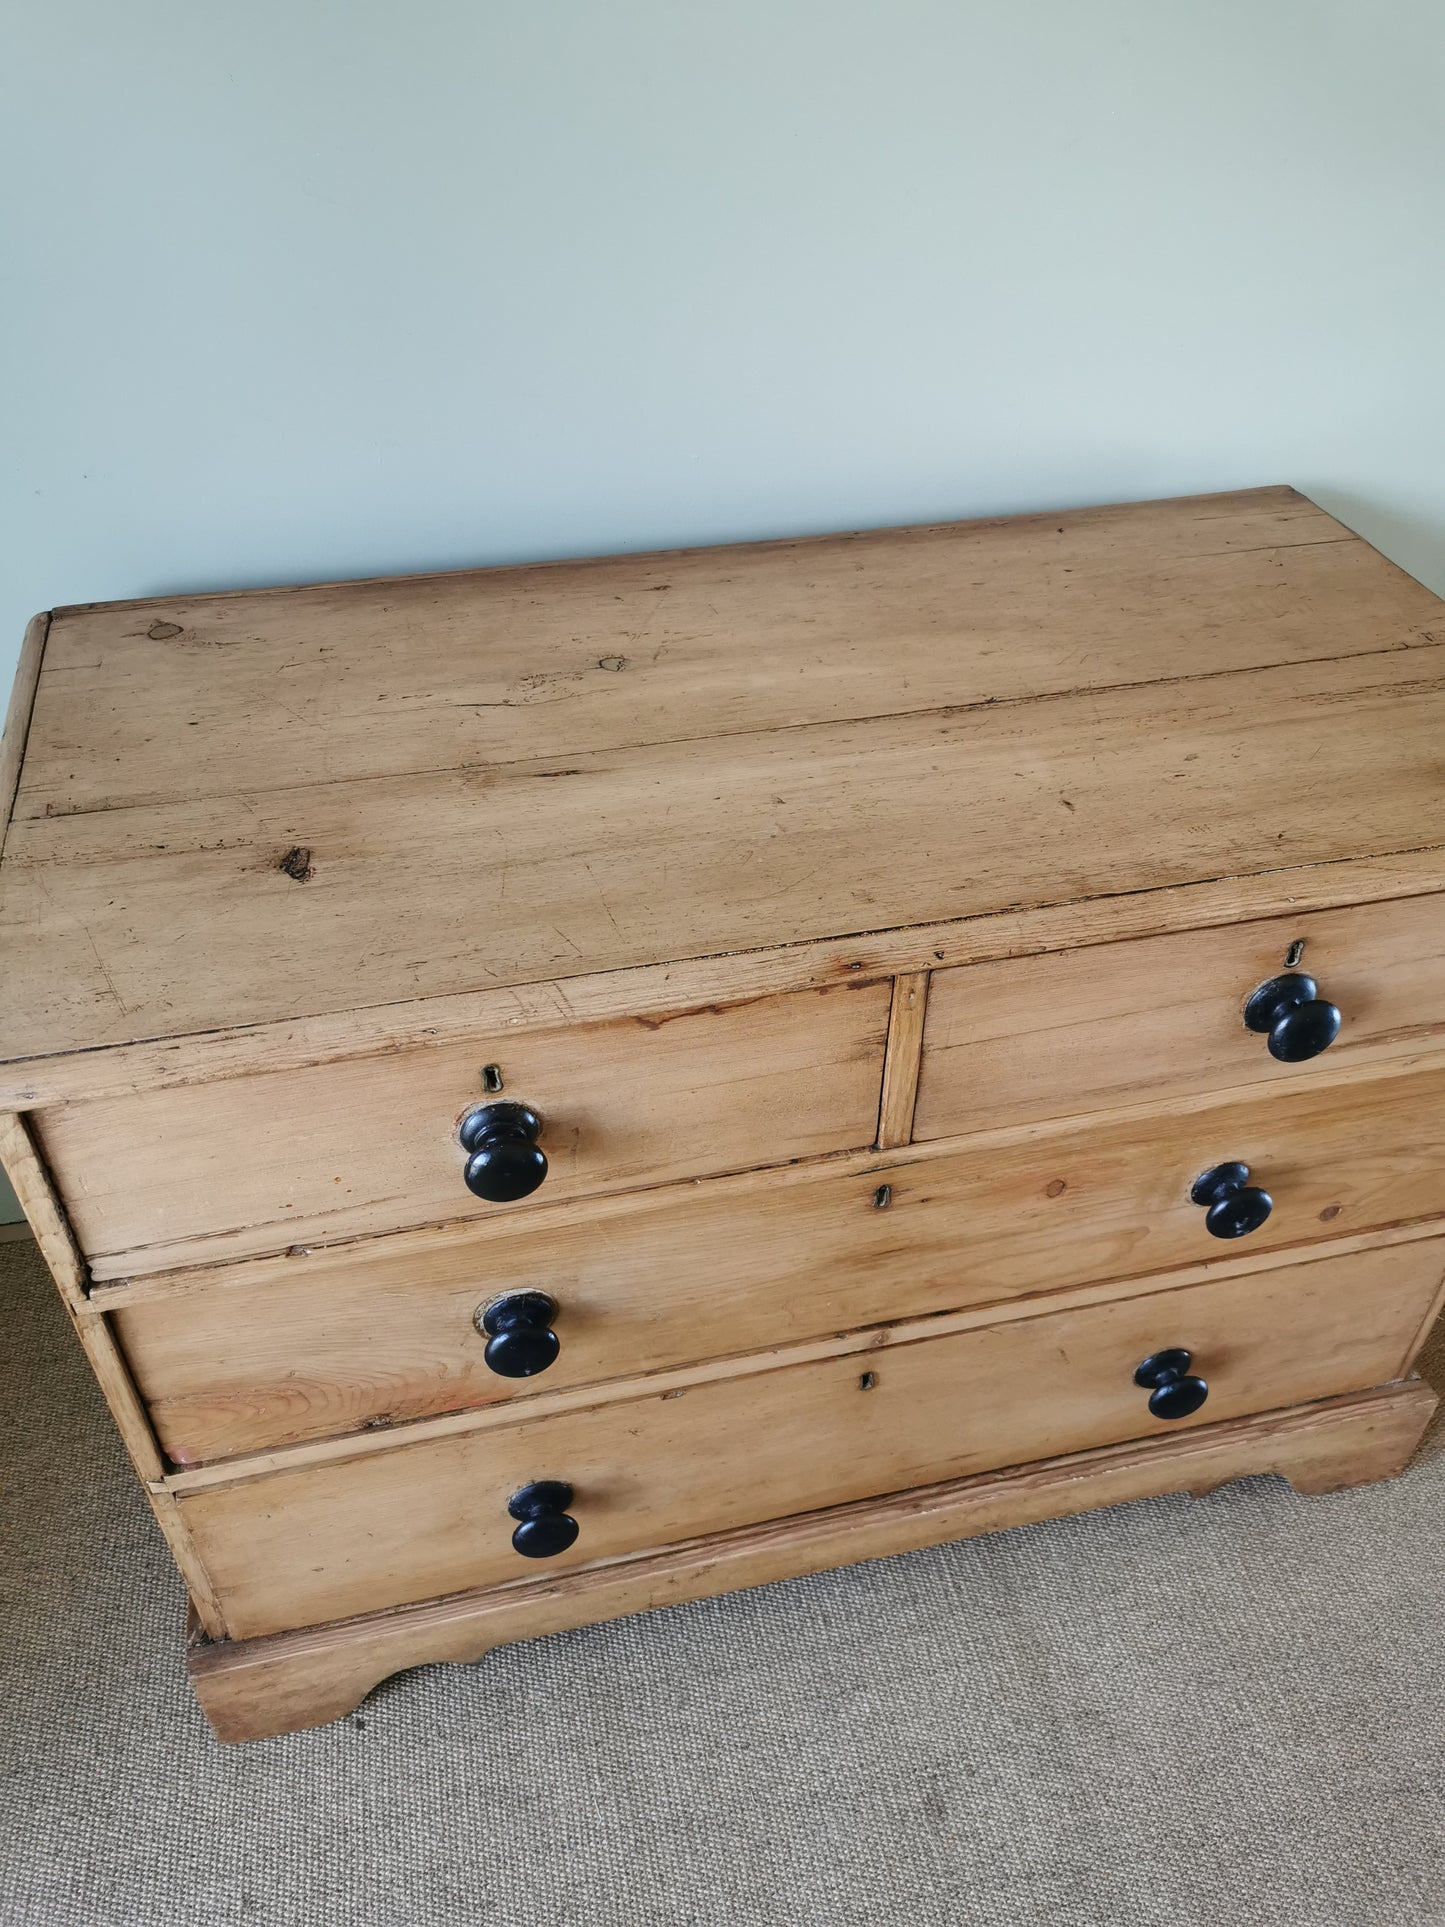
column 1228, row 1710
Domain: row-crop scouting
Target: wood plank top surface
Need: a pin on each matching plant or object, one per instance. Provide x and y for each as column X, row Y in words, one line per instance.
column 247, row 808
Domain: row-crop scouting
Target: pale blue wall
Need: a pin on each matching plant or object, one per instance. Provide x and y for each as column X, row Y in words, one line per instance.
column 323, row 287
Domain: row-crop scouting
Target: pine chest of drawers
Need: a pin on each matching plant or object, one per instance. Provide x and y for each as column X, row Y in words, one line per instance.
column 551, row 1091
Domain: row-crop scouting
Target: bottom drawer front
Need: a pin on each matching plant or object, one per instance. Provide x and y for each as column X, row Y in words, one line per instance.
column 328, row 1540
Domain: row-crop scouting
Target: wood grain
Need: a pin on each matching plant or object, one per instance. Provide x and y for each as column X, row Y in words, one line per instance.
column 246, row 1358
column 900, row 1065
column 676, row 842
column 540, row 1401
column 35, row 1194
column 395, row 677
column 18, row 715
column 1083, row 1030
column 326, row 1542
column 661, row 989
column 31, row 1184
column 254, row 1689
column 872, row 1340
column 257, row 1164
column 161, row 920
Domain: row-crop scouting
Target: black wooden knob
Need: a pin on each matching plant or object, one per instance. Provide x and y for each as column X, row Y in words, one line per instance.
column 520, row 1341
column 1172, row 1392
column 505, row 1161
column 1293, row 1015
column 546, row 1527
column 1235, row 1207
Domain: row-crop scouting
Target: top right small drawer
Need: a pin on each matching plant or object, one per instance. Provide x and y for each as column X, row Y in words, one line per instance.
column 1157, row 1018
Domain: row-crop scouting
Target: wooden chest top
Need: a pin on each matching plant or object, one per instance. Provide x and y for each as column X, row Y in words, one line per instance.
column 245, row 809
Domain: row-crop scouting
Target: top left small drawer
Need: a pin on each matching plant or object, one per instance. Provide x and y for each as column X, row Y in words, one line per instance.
column 209, row 1172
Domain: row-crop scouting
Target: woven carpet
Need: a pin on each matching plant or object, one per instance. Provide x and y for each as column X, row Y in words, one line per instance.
column 1228, row 1710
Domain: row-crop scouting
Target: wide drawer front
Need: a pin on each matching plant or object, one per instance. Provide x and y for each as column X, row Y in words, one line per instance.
column 325, row 1541
column 338, row 1150
column 1162, row 1017
column 280, row 1350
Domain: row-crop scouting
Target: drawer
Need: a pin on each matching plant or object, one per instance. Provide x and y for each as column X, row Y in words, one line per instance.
column 327, row 1540
column 342, row 1149
column 1160, row 1017
column 280, row 1350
